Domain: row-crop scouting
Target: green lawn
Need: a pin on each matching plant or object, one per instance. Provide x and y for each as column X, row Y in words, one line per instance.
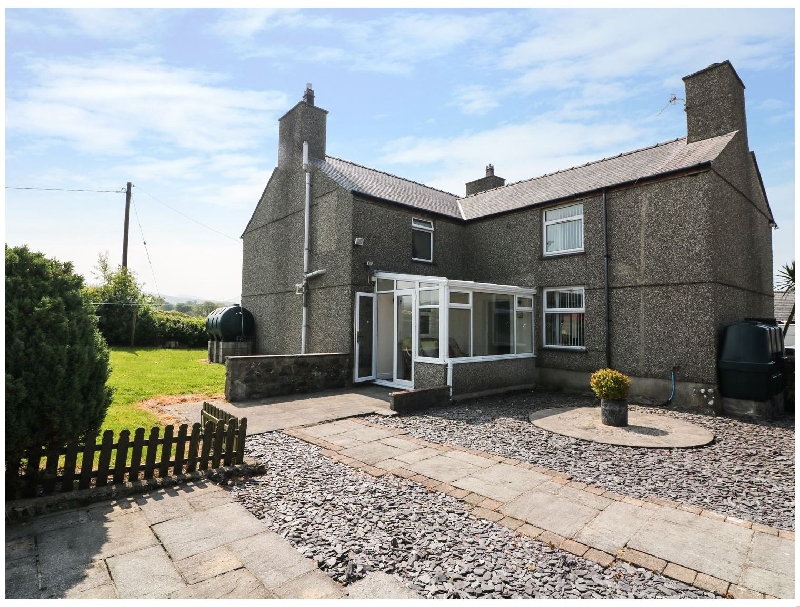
column 138, row 374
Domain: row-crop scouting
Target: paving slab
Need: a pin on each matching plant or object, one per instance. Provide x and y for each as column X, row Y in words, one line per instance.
column 271, row 559
column 444, row 469
column 238, row 584
column 614, row 526
column 769, row 567
column 380, row 585
column 475, row 460
column 329, row 429
column 418, row 454
column 207, row 529
column 206, row 565
column 22, row 579
column 371, row 453
column 501, row 482
column 144, row 574
column 643, row 429
column 575, row 495
column 706, row 545
column 312, row 585
column 551, row 512
column 47, row 522
column 164, row 505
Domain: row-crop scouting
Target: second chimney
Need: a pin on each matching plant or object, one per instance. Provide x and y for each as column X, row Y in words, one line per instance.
column 485, row 183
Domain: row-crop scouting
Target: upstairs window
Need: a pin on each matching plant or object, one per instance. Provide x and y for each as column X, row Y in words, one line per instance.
column 421, row 240
column 563, row 318
column 563, row 230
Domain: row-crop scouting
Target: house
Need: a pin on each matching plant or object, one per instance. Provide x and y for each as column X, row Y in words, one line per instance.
column 636, row 262
column 784, row 304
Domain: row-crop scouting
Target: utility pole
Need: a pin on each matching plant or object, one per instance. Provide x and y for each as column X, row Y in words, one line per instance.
column 127, row 219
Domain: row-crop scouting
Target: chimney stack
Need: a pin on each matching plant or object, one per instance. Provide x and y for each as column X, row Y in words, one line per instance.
column 485, row 183
column 304, row 122
column 714, row 102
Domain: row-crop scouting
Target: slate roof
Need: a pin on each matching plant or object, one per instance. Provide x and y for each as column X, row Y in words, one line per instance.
column 363, row 180
column 783, row 305
column 628, row 167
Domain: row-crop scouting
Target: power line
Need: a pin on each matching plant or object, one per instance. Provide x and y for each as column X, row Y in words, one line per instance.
column 187, row 217
column 152, row 270
column 8, row 187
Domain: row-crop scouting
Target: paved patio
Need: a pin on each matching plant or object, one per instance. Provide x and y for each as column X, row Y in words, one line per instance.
column 695, row 546
column 191, row 541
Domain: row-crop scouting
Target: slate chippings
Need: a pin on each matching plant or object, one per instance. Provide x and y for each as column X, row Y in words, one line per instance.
column 352, row 523
column 747, row 472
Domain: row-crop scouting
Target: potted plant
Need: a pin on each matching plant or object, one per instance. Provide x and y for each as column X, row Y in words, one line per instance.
column 612, row 387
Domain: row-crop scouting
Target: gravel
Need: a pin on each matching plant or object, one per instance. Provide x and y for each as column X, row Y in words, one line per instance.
column 747, row 472
column 352, row 523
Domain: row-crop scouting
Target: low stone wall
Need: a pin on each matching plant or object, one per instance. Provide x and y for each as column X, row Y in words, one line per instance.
column 252, row 377
column 484, row 377
column 408, row 401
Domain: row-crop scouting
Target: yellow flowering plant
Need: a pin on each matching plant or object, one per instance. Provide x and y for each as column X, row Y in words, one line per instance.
column 609, row 384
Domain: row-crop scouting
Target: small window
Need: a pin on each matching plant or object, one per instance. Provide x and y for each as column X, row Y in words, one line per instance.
column 421, row 240
column 563, row 229
column 564, row 318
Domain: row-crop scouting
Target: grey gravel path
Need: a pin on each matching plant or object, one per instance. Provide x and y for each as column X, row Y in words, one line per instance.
column 353, row 523
column 747, row 472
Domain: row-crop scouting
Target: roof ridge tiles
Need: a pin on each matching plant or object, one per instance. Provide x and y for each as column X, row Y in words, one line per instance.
column 580, row 166
column 391, row 175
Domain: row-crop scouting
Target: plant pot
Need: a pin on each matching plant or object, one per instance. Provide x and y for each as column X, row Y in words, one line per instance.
column 614, row 412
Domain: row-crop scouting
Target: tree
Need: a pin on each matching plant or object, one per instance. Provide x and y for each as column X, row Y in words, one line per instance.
column 119, row 302
column 57, row 362
column 786, row 284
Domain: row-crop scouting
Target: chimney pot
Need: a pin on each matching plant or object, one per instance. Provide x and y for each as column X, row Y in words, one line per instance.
column 308, row 96
column 490, row 170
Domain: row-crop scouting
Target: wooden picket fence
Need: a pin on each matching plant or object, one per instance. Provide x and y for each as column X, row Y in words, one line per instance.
column 214, row 444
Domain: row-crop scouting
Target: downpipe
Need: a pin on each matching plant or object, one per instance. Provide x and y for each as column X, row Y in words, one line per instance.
column 307, row 218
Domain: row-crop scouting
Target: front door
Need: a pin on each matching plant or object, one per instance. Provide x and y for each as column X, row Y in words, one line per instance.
column 365, row 337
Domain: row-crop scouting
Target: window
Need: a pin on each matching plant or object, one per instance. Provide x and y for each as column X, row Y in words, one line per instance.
column 421, row 240
column 524, row 335
column 563, row 317
column 428, row 325
column 459, row 343
column 563, row 229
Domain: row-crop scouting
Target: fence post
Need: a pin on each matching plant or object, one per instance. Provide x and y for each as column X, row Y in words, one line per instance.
column 88, row 462
column 208, row 437
column 32, row 472
column 166, row 452
column 219, row 434
column 150, row 458
column 136, row 455
column 180, row 449
column 193, row 447
column 230, row 439
column 105, row 458
column 240, row 441
column 122, row 456
column 70, row 462
column 50, row 468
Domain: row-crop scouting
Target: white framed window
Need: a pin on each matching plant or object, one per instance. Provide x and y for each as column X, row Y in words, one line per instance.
column 524, row 325
column 428, row 322
column 563, row 323
column 421, row 240
column 562, row 229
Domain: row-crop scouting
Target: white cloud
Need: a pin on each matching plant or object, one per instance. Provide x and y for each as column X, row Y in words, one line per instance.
column 105, row 105
column 476, row 99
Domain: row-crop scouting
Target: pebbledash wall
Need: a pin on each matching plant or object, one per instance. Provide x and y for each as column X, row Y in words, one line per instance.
column 689, row 253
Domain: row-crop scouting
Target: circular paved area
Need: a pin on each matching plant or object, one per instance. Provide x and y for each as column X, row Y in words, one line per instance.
column 643, row 429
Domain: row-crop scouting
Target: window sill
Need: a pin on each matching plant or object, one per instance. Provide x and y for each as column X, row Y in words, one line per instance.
column 479, row 359
column 562, row 254
column 565, row 348
column 428, row 261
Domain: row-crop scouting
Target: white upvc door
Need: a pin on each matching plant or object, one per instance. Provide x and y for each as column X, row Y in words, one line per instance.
column 365, row 328
column 404, row 333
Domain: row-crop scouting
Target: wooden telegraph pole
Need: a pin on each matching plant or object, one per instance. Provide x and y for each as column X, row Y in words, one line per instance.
column 125, row 254
column 127, row 220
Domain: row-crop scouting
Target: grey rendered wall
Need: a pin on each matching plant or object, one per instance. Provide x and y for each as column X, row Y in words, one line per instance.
column 429, row 375
column 474, row 377
column 660, row 258
column 273, row 265
column 386, row 230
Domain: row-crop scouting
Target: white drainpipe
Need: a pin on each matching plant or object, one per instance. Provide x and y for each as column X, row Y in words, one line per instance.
column 305, row 248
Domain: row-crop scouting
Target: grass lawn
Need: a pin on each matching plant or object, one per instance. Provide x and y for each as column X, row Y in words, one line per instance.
column 138, row 374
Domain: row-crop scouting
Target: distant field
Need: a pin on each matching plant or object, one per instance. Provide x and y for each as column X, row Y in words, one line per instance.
column 139, row 374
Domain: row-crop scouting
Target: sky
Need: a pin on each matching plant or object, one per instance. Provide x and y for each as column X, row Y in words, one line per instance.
column 184, row 103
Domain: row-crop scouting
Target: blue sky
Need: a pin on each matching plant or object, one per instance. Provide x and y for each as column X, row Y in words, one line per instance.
column 185, row 104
